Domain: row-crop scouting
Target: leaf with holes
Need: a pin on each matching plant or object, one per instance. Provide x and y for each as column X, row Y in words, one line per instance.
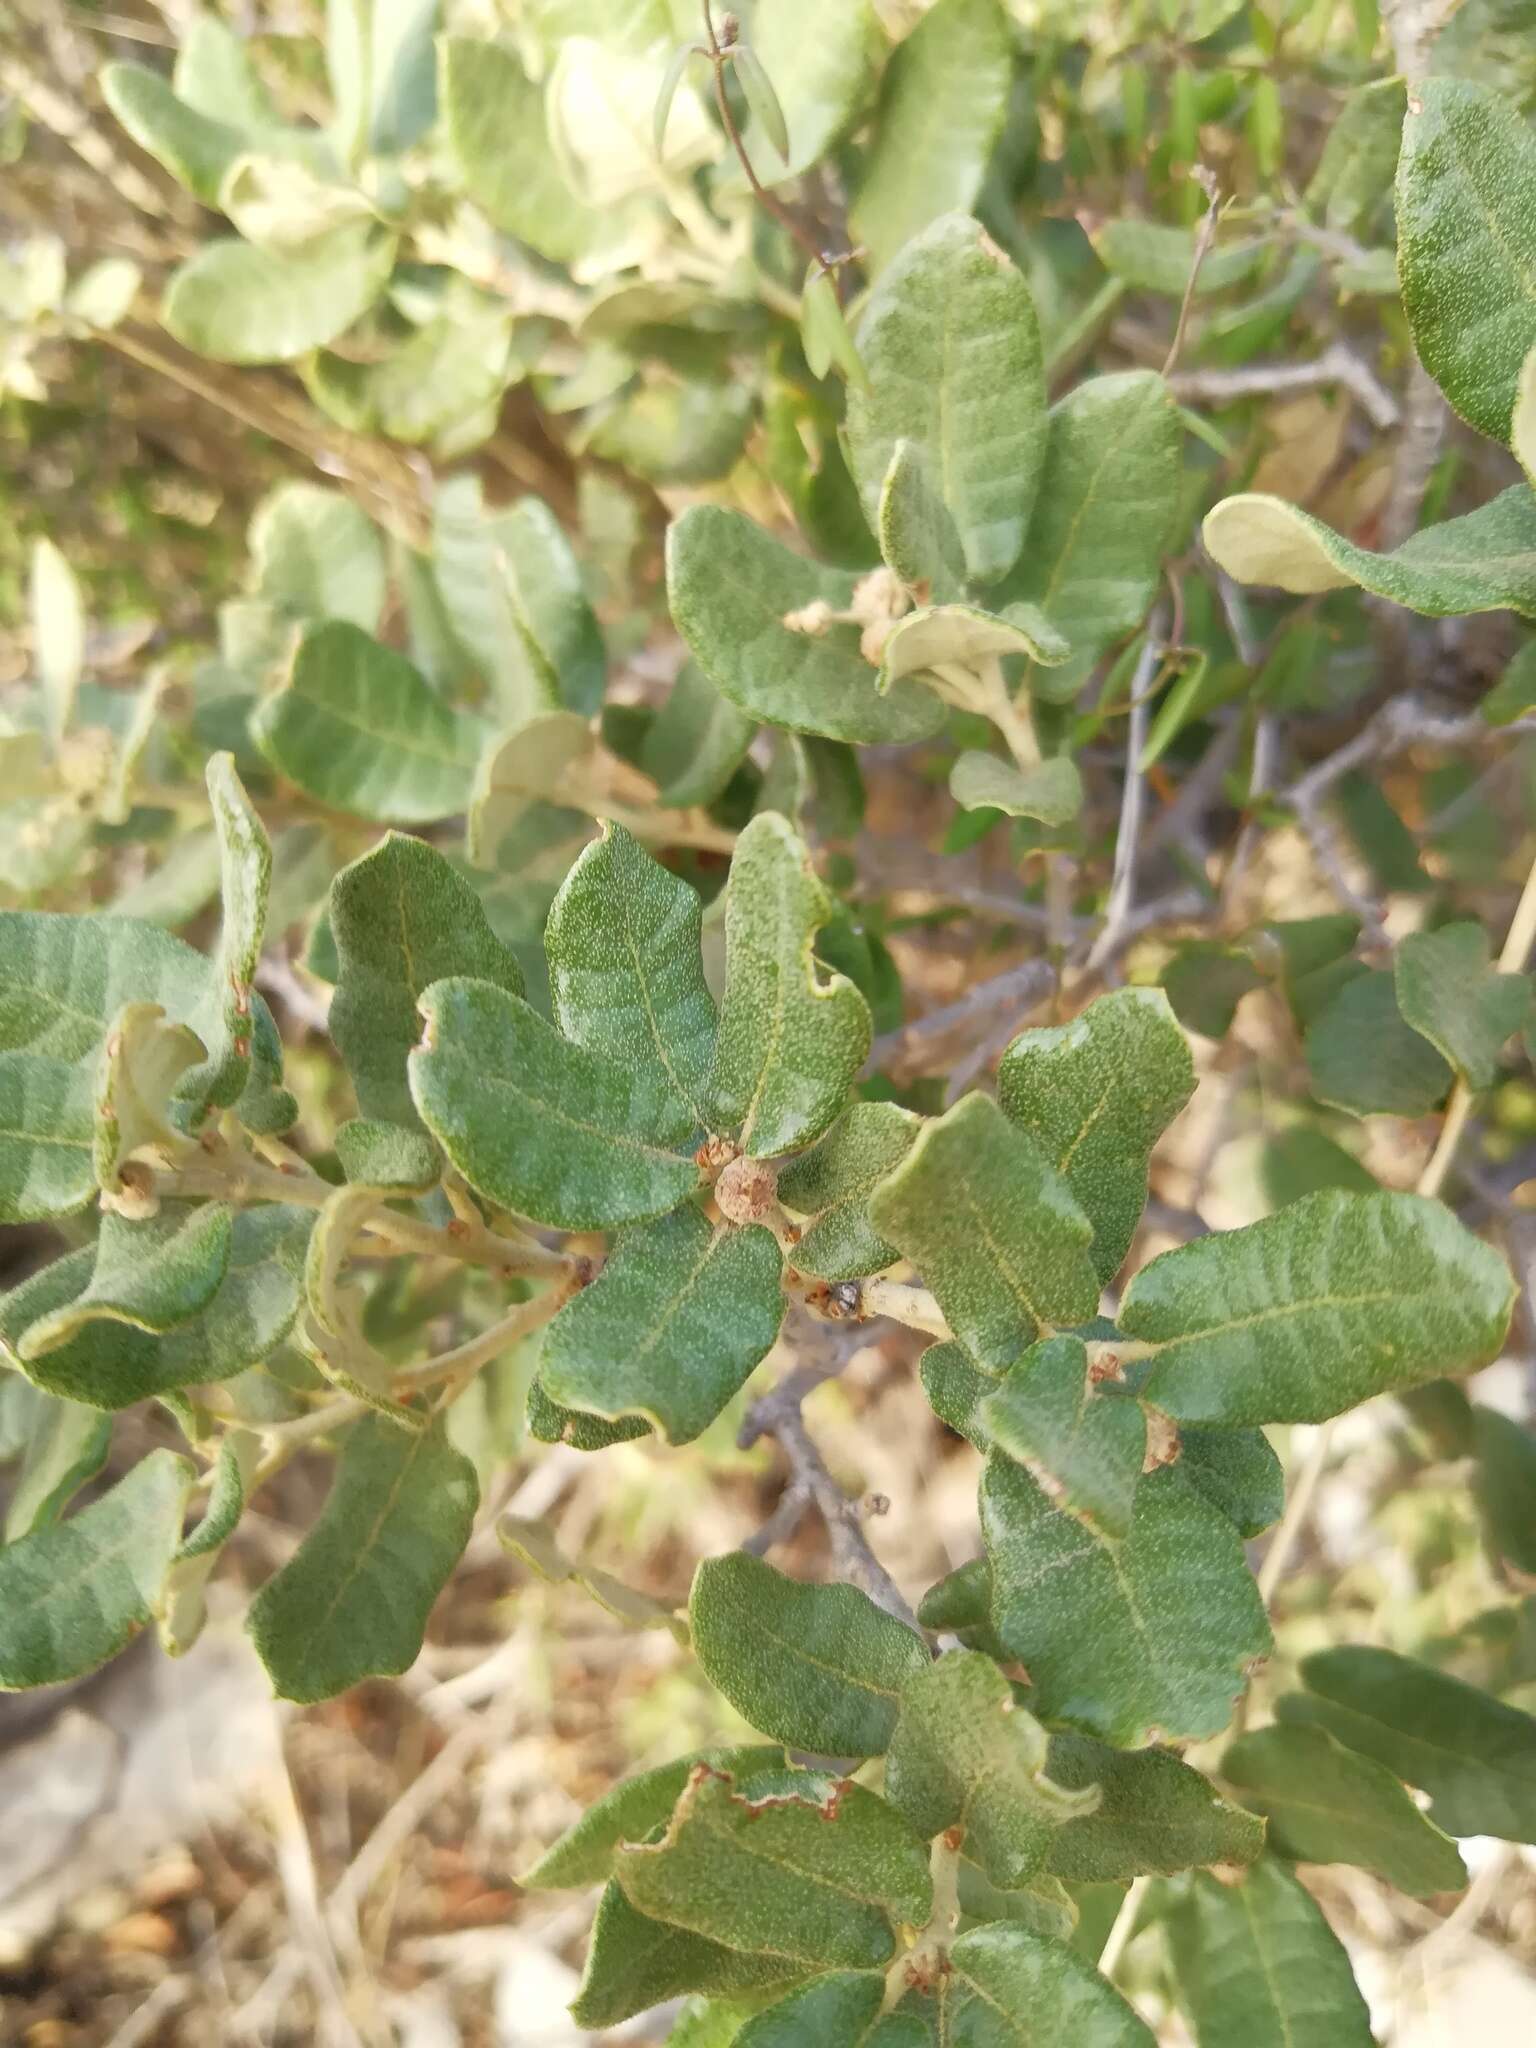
column 1082, row 1445
column 1449, row 992
column 1154, row 1814
column 633, row 1810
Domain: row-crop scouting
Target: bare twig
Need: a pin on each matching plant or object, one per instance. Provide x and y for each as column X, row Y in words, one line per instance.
column 1204, row 239
column 1338, row 364
column 1122, row 887
column 1023, row 986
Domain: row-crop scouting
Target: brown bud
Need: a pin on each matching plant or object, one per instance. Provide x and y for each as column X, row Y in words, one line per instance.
column 747, row 1191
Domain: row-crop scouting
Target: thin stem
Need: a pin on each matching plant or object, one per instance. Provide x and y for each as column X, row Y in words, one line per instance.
column 1203, row 242
column 1124, row 1927
column 717, row 54
column 914, row 1306
column 1122, row 887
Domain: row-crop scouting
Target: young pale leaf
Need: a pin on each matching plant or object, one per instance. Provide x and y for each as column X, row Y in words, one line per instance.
column 961, row 635
column 842, row 2006
column 240, row 304
column 72, row 1594
column 789, row 1042
column 402, row 919
column 1482, row 562
column 626, row 977
column 1326, row 1804
column 58, row 633
column 1083, row 1447
column 942, row 107
column 761, row 97
column 182, row 1609
column 1007, row 1985
column 353, row 1601
column 671, row 79
column 732, row 587
column 818, row 1667
column 951, row 349
column 523, row 789
column 190, row 143
column 631, row 1812
column 496, row 132
column 1466, row 227
column 1473, row 1755
column 634, row 1963
column 992, row 1229
column 1177, row 1617
column 223, row 1019
column 1154, row 1814
column 1096, row 1095
column 1366, row 1058
column 539, row 1125
column 152, row 1275
column 1380, row 1292
column 1449, row 992
column 316, row 556
column 800, row 1866
column 1051, row 792
column 1108, row 498
column 823, row 62
column 824, row 332
column 534, row 1544
column 1257, row 1966
column 965, row 1754
column 357, row 727
column 143, row 1061
column 830, row 1187
column 671, row 1328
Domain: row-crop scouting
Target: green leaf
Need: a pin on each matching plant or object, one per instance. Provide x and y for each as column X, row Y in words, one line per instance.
column 1449, row 992
column 57, row 615
column 402, row 919
column 626, row 977
column 789, row 1042
column 633, row 1810
column 61, row 1445
column 942, row 107
column 240, row 304
column 1257, row 1966
column 538, row 1125
column 355, row 726
column 1473, row 1755
column 224, row 1019
column 143, row 1061
column 182, row 1609
column 1504, row 1486
column 315, row 555
column 1007, row 1985
column 1177, row 1619
column 1326, row 1804
column 993, row 1230
column 823, row 64
column 806, row 1868
column 213, row 74
column 1365, row 1057
column 549, row 1423
column 1310, row 1311
column 494, row 116
column 1083, row 1446
column 1514, row 694
column 951, row 349
column 672, row 1327
column 842, row 2006
column 1238, row 1472
column 1109, row 492
column 353, row 1601
column 761, row 97
column 671, row 79
column 956, row 1387
column 965, row 1754
column 825, row 336
column 111, row 1364
column 1359, row 159
column 520, row 787
column 1482, row 562
column 820, row 1668
column 731, row 587
column 195, row 148
column 534, row 1544
column 1522, row 425
column 47, row 1132
column 1051, row 792
column 1151, row 258
column 488, row 566
column 918, row 535
column 634, row 1963
column 830, row 1187
column 72, row 1594
column 152, row 1275
column 1096, row 1095
column 1466, row 224
column 695, row 743
column 1154, row 1814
